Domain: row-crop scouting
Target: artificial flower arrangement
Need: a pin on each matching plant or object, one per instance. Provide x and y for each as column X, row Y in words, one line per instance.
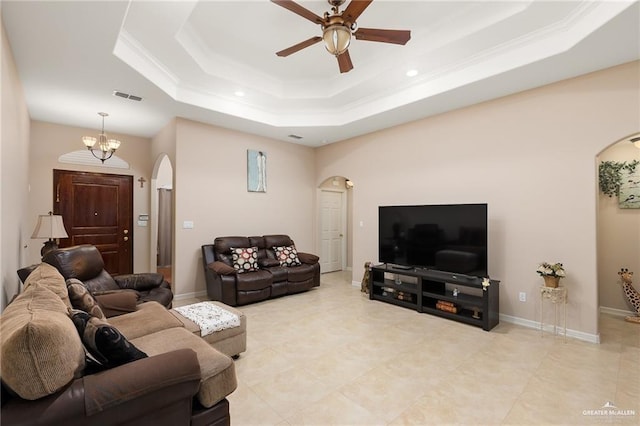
column 551, row 270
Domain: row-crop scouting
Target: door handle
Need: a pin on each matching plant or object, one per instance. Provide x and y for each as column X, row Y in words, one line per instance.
column 126, row 238
column 126, row 231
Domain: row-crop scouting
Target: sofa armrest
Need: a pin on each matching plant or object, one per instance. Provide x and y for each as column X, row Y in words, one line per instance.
column 119, row 388
column 122, row 395
column 140, row 282
column 221, row 268
column 221, row 282
column 308, row 258
column 117, row 302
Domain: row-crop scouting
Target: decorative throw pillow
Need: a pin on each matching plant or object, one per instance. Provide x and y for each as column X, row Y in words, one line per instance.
column 81, row 298
column 103, row 341
column 245, row 259
column 287, row 255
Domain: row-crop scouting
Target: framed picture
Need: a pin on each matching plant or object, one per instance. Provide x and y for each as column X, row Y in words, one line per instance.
column 256, row 171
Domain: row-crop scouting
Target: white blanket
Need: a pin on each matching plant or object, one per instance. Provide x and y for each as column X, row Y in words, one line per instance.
column 209, row 317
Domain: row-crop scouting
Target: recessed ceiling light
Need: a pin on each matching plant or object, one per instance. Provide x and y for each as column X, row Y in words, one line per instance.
column 412, row 73
column 239, row 93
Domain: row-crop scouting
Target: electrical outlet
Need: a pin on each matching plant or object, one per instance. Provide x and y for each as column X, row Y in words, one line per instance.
column 523, row 296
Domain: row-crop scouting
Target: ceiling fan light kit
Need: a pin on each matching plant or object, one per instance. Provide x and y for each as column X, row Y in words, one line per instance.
column 337, row 29
column 337, row 39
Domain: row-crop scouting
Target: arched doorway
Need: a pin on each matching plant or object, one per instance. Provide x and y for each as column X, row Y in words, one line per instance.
column 618, row 234
column 161, row 219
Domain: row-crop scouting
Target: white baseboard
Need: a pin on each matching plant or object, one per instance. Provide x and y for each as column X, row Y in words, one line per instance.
column 356, row 283
column 591, row 338
column 194, row 295
column 616, row 312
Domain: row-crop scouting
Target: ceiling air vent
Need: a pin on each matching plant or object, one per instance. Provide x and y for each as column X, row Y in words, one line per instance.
column 294, row 137
column 127, row 96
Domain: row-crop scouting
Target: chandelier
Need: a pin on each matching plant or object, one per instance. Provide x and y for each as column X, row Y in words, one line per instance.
column 105, row 147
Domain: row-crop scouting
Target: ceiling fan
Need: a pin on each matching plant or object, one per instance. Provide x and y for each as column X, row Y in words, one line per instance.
column 337, row 29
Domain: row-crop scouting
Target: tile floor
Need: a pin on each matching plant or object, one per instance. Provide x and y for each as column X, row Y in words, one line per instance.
column 331, row 356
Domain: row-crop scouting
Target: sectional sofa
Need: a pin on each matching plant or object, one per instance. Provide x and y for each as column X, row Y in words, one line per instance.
column 174, row 377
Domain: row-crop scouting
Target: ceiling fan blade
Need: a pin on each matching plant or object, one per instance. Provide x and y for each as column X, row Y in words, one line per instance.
column 299, row 10
column 355, row 9
column 299, row 46
column 344, row 62
column 383, row 36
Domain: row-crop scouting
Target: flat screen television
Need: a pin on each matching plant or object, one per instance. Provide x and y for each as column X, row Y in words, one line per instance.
column 445, row 237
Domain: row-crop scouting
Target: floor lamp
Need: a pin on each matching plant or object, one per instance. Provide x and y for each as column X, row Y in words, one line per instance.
column 49, row 226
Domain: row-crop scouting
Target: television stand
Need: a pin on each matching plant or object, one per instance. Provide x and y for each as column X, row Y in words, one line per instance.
column 458, row 297
column 402, row 267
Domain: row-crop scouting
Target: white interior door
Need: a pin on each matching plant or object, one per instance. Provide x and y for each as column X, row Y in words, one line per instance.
column 331, row 231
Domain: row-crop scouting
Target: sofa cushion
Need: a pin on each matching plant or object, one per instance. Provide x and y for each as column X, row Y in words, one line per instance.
column 245, row 259
column 287, row 255
column 279, row 273
column 149, row 318
column 256, row 280
column 222, row 245
column 103, row 341
column 49, row 277
column 81, row 298
column 217, row 372
column 301, row 273
column 41, row 351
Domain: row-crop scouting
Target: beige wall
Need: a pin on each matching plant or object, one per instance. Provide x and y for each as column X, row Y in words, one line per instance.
column 211, row 190
column 530, row 156
column 618, row 236
column 49, row 141
column 15, row 223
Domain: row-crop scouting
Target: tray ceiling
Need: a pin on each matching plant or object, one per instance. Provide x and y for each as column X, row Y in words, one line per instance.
column 193, row 58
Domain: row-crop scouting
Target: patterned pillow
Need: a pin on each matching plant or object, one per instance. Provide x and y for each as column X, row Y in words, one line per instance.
column 287, row 255
column 103, row 341
column 245, row 259
column 81, row 298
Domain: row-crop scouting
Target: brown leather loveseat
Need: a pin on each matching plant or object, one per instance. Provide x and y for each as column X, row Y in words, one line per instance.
column 274, row 274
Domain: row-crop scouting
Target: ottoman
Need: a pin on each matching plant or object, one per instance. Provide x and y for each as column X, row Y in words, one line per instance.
column 229, row 341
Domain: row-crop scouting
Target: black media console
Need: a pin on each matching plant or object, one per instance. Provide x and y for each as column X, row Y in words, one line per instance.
column 459, row 297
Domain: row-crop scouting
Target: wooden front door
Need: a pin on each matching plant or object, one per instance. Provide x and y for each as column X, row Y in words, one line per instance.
column 97, row 208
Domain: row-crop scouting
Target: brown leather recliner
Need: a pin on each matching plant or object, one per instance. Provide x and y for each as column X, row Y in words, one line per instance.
column 85, row 263
column 271, row 280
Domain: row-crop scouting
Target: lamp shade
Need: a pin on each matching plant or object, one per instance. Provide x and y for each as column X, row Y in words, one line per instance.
column 49, row 226
column 336, row 38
